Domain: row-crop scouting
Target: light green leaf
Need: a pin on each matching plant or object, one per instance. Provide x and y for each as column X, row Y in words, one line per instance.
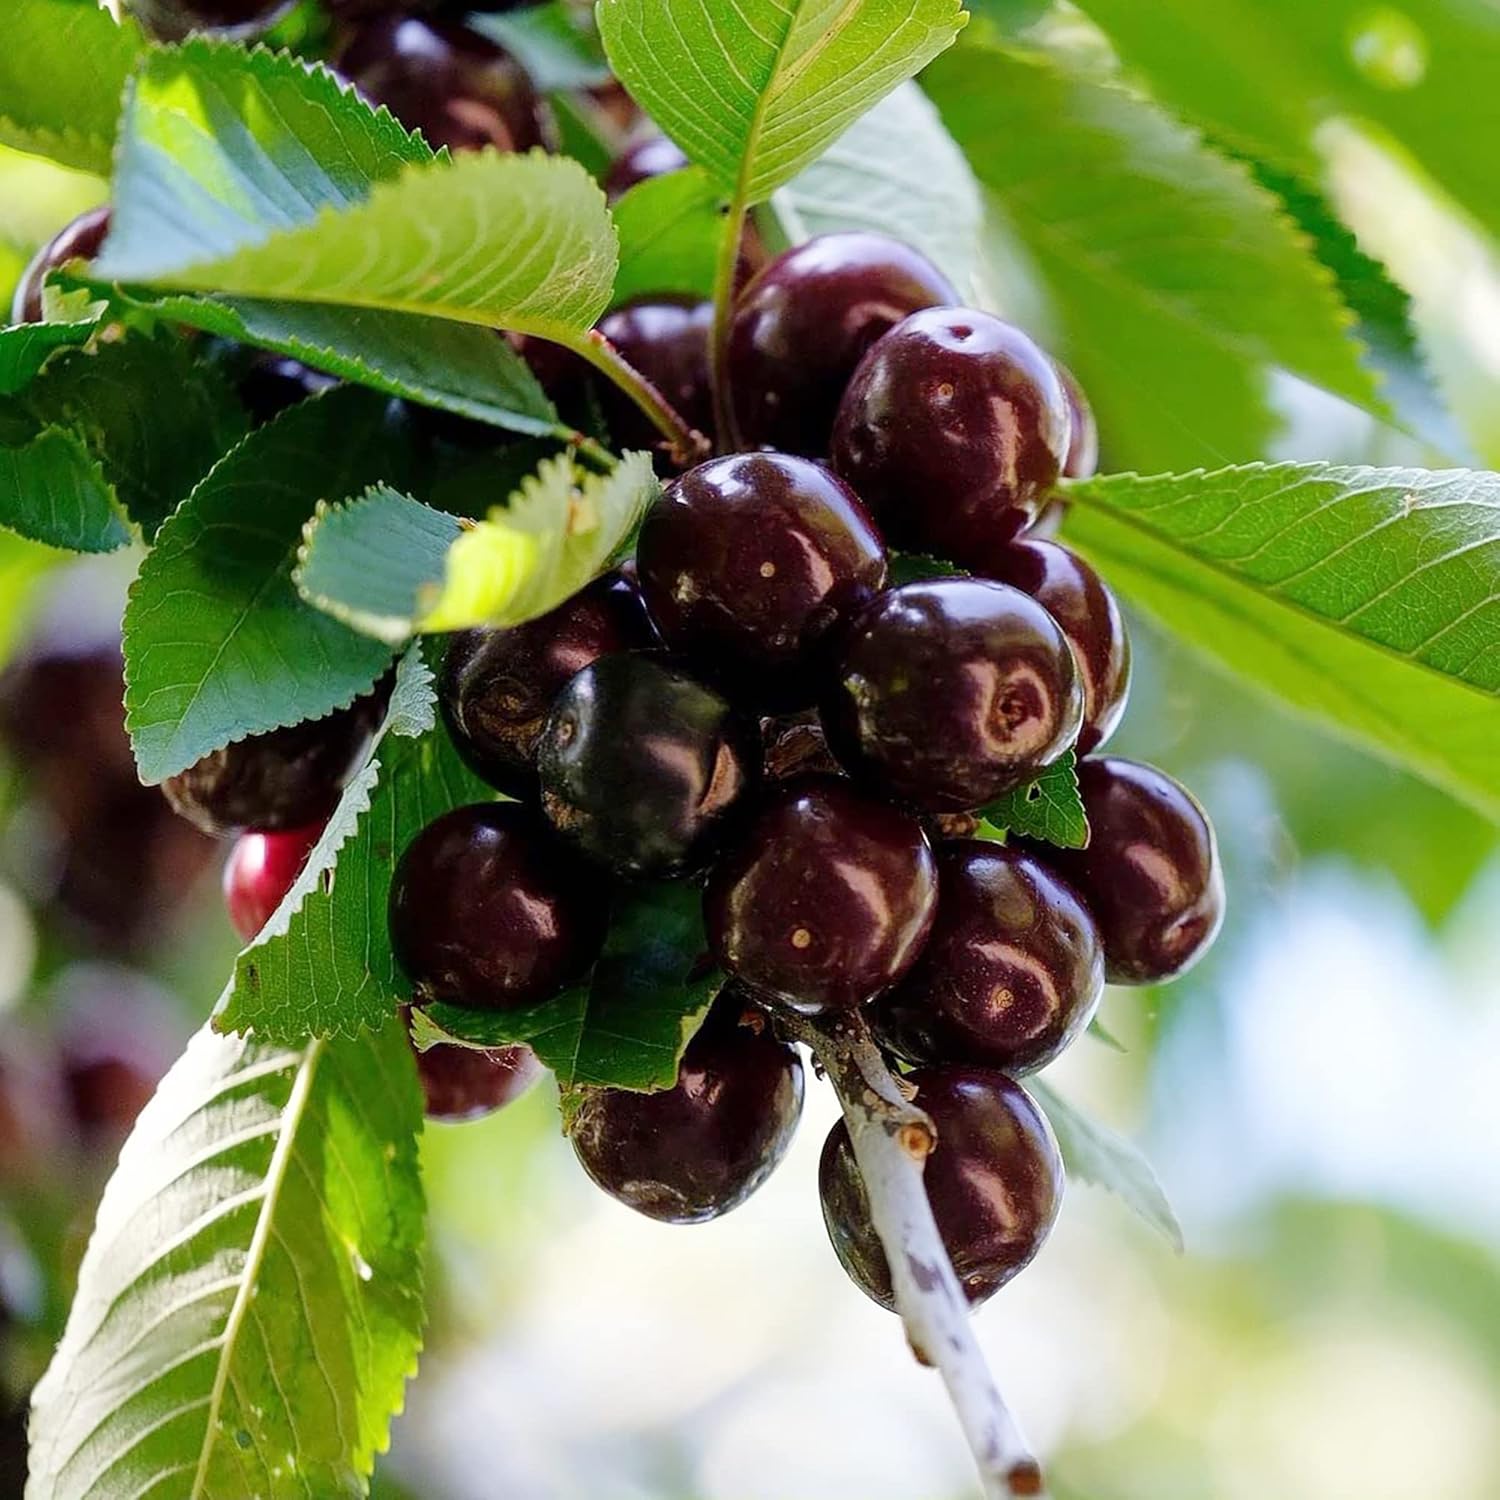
column 1369, row 598
column 669, row 229
column 754, row 92
column 38, row 197
column 52, row 490
column 550, row 43
column 250, row 1306
column 1049, row 809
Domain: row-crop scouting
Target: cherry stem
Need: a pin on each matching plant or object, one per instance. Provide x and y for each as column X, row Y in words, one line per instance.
column 724, row 276
column 688, row 445
column 891, row 1137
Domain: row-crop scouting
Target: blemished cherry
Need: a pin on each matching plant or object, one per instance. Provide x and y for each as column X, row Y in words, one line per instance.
column 1086, row 610
column 804, row 323
column 1151, row 873
column 171, row 20
column 995, row 1182
column 692, row 1152
column 651, row 156
column 666, row 338
column 82, row 239
column 749, row 563
column 949, row 691
column 261, row 869
column 1013, row 970
column 825, row 899
column 497, row 686
column 1082, row 460
column 465, row 1083
column 796, row 743
column 951, row 429
column 642, row 766
column 447, row 81
column 489, row 911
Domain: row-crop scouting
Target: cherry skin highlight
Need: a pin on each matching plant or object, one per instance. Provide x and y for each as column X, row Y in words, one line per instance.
column 261, row 869
column 80, row 240
column 652, row 156
column 666, row 338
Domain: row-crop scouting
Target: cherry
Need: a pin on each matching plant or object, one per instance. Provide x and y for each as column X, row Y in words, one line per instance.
column 825, row 899
column 261, row 869
column 651, row 156
column 1013, row 970
column 802, row 326
column 949, row 691
column 171, row 20
column 80, row 240
column 1088, row 614
column 795, row 744
column 692, row 1152
column 465, row 1083
column 271, row 383
column 952, row 427
column 1082, row 460
column 995, row 1182
column 749, row 563
column 1150, row 874
column 488, row 910
column 666, row 338
column 450, row 83
column 497, row 686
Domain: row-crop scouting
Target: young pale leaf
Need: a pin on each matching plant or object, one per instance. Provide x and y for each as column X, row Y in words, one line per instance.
column 218, row 645
column 250, row 1306
column 1368, row 597
column 627, row 1027
column 754, row 92
column 1049, row 808
column 25, row 348
column 52, row 490
column 669, row 229
column 1091, row 1153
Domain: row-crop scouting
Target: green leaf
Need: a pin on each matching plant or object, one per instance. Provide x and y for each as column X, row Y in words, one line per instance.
column 25, row 348
column 754, row 92
column 628, row 1026
column 218, row 645
column 1092, row 1153
column 669, row 229
column 62, row 70
column 1049, row 809
column 38, row 197
column 1369, row 598
column 389, row 566
column 250, row 1306
column 548, row 42
column 52, row 490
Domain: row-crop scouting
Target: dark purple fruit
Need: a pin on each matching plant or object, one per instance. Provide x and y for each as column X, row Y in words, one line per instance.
column 950, row 691
column 666, row 338
column 642, row 766
column 1150, row 874
column 80, row 240
column 271, row 383
column 653, row 156
column 465, row 1083
column 171, row 20
column 261, row 869
column 825, row 899
column 497, row 686
column 487, row 910
column 748, row 564
column 995, row 1182
column 1013, row 970
column 805, row 322
column 695, row 1151
column 951, row 430
column 1082, row 460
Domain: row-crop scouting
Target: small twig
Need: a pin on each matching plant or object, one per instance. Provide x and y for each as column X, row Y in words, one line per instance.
column 590, row 450
column 688, row 445
column 891, row 1137
column 725, row 269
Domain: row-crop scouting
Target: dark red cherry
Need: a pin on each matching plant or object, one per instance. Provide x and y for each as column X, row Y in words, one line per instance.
column 701, row 1148
column 950, row 431
column 465, row 1083
column 666, row 338
column 748, row 564
column 488, row 910
column 995, row 1182
column 825, row 899
column 1088, row 614
column 1150, row 874
column 80, row 240
column 270, row 383
column 447, row 81
column 1013, row 970
column 1082, row 460
column 171, row 20
column 949, row 691
column 642, row 766
column 261, row 869
column 652, row 156
column 497, row 686
column 802, row 326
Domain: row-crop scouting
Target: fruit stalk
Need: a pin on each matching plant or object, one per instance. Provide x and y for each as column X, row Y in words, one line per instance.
column 689, row 446
column 891, row 1137
column 725, row 423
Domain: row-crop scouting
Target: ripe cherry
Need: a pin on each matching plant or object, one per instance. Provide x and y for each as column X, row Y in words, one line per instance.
column 701, row 1148
column 802, row 326
column 825, row 899
column 261, row 869
column 749, row 564
column 271, row 383
column 995, row 1182
column 666, row 338
column 951, row 429
column 171, row 20
column 80, row 240
column 651, row 156
column 1082, row 460
column 1150, row 874
column 1013, row 970
column 949, row 691
column 465, row 1083
column 488, row 910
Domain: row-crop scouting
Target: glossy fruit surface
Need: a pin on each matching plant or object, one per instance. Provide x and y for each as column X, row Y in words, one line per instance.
column 171, row 20
column 948, row 692
column 1082, row 460
column 652, row 156
column 1013, row 970
column 1089, row 615
column 80, row 240
column 825, row 898
column 497, row 686
column 466, row 1083
column 695, row 1151
column 804, row 323
column 488, row 911
column 447, row 81
column 642, row 765
column 666, row 338
column 748, row 563
column 271, row 383
column 261, row 869
column 951, row 429
column 995, row 1182
column 1151, row 873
